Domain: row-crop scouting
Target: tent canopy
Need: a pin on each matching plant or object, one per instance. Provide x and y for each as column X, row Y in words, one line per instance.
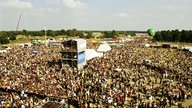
column 104, row 47
column 147, row 45
column 91, row 53
column 3, row 51
column 190, row 49
column 187, row 48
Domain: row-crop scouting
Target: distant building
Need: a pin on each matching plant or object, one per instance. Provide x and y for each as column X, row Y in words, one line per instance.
column 141, row 34
column 97, row 34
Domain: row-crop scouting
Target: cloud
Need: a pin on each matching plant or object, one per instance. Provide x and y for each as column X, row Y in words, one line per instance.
column 177, row 7
column 74, row 4
column 41, row 12
column 16, row 4
column 170, row 7
column 53, row 10
column 122, row 15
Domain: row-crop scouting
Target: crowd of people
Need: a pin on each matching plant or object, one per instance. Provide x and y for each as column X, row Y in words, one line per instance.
column 118, row 79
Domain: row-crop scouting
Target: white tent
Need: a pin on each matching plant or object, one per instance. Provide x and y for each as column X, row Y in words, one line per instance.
column 3, row 51
column 91, row 53
column 104, row 47
column 190, row 49
column 187, row 48
column 147, row 45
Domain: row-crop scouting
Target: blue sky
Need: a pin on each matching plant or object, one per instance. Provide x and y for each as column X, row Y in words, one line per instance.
column 96, row 14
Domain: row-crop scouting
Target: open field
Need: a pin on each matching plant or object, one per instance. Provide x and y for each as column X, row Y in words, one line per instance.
column 177, row 43
column 136, row 80
column 0, row 47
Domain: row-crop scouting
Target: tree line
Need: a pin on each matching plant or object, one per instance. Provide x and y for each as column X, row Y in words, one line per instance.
column 173, row 36
column 6, row 36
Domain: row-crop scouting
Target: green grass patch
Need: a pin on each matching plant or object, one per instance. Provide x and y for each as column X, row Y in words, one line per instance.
column 177, row 43
column 3, row 46
column 61, row 36
column 21, row 40
column 0, row 47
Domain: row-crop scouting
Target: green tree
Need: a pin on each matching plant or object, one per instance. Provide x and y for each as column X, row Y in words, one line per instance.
column 107, row 34
column 164, row 35
column 11, row 35
column 41, row 33
column 89, row 35
column 169, row 36
column 25, row 32
column 114, row 34
column 74, row 33
column 4, row 39
column 176, row 35
column 80, row 34
column 190, row 36
column 183, row 36
column 62, row 32
column 158, row 36
column 57, row 32
column 50, row 33
column 130, row 33
column 69, row 32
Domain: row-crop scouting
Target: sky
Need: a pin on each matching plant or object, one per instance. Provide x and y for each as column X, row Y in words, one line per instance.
column 96, row 14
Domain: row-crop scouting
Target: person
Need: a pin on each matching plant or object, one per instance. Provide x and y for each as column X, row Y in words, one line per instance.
column 40, row 74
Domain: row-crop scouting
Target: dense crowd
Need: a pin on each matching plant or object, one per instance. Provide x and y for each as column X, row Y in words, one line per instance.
column 119, row 78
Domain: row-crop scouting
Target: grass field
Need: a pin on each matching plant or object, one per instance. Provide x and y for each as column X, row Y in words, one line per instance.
column 177, row 43
column 27, row 40
column 0, row 47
